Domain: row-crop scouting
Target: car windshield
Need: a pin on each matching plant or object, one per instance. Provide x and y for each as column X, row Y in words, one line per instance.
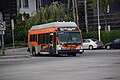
column 94, row 40
column 69, row 37
column 117, row 40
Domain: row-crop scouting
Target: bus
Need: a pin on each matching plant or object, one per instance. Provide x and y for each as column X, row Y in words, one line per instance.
column 55, row 38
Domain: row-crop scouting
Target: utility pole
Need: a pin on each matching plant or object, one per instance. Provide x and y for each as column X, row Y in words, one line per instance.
column 86, row 19
column 12, row 24
column 99, row 27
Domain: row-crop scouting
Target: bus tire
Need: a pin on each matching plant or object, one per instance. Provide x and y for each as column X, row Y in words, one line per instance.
column 33, row 51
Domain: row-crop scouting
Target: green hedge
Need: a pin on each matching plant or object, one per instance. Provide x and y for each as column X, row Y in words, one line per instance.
column 9, row 39
column 105, row 36
column 19, row 40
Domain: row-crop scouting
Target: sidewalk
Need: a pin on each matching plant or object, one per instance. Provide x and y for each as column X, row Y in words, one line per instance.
column 15, row 53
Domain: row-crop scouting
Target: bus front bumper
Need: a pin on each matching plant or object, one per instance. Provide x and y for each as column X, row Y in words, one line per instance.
column 70, row 51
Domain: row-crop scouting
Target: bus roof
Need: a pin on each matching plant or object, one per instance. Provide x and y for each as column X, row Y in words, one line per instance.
column 54, row 25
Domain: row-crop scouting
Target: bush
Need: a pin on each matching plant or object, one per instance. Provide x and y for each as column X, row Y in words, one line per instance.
column 105, row 36
column 18, row 39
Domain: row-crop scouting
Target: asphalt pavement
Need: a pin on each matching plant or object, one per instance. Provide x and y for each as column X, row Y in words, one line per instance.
column 91, row 65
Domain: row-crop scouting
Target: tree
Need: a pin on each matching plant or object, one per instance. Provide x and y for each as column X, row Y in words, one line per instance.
column 75, row 11
column 56, row 11
column 103, row 8
column 20, row 28
column 77, row 17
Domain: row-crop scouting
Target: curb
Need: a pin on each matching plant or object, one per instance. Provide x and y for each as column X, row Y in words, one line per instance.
column 17, row 47
column 15, row 56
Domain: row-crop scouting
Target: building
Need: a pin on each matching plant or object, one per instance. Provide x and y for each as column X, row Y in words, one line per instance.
column 31, row 6
column 113, row 15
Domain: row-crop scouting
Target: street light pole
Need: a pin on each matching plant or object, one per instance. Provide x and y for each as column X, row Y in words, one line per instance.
column 98, row 13
column 12, row 23
column 86, row 16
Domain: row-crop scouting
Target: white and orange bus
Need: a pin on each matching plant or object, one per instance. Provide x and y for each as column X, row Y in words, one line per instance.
column 55, row 38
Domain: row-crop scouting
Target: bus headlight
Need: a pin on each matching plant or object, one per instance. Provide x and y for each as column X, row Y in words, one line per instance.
column 59, row 47
column 79, row 47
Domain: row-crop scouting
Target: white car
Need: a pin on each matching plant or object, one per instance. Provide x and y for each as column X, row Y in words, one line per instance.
column 92, row 44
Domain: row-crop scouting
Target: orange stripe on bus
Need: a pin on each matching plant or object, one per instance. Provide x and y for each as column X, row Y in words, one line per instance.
column 43, row 31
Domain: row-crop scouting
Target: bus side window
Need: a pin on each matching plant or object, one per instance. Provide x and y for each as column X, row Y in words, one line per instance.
column 51, row 39
column 47, row 38
column 43, row 37
column 36, row 38
column 31, row 37
column 39, row 38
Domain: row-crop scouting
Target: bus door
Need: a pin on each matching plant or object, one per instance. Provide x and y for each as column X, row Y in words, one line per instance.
column 52, row 47
column 54, row 43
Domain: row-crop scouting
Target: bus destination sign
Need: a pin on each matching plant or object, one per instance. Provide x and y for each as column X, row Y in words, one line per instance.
column 67, row 29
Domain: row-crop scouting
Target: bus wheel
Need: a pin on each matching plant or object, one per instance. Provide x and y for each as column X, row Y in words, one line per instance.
column 33, row 51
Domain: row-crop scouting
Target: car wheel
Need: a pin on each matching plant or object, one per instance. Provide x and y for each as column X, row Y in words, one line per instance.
column 108, row 47
column 90, row 47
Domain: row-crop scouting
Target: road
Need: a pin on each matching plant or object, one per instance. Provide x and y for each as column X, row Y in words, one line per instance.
column 91, row 65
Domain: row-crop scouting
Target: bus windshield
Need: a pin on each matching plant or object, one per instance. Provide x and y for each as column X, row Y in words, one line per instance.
column 69, row 37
